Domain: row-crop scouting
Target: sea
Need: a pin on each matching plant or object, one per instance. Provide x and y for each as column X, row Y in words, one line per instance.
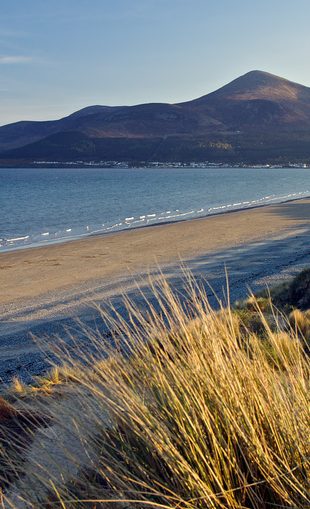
column 40, row 206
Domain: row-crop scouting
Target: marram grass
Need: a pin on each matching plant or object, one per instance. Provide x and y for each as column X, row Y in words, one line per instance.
column 191, row 409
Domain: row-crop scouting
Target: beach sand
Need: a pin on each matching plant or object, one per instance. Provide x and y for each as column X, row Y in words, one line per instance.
column 30, row 273
column 49, row 292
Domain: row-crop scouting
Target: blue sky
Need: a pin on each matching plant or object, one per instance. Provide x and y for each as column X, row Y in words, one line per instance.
column 57, row 56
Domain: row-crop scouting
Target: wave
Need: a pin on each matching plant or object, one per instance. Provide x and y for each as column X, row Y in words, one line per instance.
column 17, row 241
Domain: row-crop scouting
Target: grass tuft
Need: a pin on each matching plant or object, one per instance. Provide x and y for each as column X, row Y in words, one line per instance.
column 193, row 408
column 18, row 387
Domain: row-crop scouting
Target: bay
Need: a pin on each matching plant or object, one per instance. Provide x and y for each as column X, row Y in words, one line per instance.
column 42, row 205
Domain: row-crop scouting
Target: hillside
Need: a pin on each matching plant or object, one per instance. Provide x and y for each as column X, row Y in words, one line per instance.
column 256, row 118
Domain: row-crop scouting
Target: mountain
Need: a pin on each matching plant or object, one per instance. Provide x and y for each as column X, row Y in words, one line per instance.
column 257, row 118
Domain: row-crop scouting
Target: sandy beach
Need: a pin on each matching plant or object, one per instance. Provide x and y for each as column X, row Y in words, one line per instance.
column 32, row 272
column 45, row 290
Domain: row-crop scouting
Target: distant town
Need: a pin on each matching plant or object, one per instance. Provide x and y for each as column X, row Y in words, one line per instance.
column 160, row 164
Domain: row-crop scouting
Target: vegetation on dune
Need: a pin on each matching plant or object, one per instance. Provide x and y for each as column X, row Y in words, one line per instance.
column 294, row 294
column 192, row 408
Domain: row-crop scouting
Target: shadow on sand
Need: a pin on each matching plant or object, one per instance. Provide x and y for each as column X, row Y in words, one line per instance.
column 253, row 265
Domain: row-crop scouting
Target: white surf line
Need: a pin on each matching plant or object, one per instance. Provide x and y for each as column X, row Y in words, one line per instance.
column 173, row 216
column 137, row 221
column 113, row 226
column 16, row 239
column 218, row 208
column 300, row 193
column 160, row 217
column 268, row 198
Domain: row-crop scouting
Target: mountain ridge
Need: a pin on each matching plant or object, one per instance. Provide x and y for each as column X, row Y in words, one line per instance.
column 257, row 117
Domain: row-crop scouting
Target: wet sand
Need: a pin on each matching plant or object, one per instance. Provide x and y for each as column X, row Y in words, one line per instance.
column 30, row 273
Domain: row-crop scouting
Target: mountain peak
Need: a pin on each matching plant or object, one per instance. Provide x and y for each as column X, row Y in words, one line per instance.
column 260, row 85
column 256, row 85
column 260, row 78
column 256, row 73
column 256, row 117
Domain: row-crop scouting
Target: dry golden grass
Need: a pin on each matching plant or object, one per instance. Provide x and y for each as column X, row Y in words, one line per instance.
column 300, row 320
column 18, row 387
column 192, row 409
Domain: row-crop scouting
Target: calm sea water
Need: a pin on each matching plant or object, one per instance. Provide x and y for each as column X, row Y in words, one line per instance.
column 39, row 206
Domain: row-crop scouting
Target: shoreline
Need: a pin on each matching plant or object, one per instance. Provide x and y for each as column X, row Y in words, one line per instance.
column 31, row 272
column 86, row 236
column 50, row 291
column 115, row 165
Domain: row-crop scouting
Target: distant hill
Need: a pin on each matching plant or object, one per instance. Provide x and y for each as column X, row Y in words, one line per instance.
column 257, row 118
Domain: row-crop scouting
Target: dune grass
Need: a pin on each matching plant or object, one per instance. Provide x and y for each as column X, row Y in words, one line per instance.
column 193, row 408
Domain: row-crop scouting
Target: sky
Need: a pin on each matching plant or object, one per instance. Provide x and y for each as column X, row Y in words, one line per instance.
column 57, row 56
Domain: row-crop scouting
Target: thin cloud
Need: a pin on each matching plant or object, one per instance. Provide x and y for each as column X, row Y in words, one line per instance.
column 15, row 59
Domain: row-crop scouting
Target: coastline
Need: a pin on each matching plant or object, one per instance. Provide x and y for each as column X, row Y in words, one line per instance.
column 30, row 272
column 163, row 222
column 51, row 291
